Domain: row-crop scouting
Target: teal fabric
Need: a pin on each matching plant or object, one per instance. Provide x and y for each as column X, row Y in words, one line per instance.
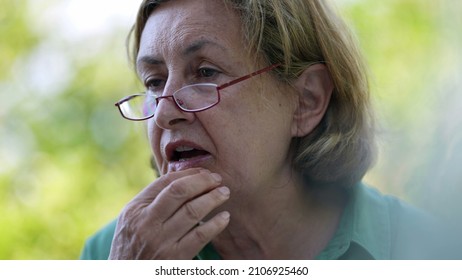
column 373, row 226
column 98, row 246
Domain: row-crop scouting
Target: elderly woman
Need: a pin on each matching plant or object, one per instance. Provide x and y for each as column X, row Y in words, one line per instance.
column 258, row 117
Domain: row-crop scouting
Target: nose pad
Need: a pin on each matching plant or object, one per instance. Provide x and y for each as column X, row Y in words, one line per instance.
column 168, row 114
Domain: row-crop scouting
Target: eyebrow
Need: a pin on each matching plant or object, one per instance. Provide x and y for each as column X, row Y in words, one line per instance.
column 190, row 49
column 147, row 59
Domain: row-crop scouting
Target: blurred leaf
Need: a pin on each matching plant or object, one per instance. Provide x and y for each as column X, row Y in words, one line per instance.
column 69, row 162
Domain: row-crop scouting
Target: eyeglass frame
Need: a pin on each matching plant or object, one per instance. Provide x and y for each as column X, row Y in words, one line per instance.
column 218, row 88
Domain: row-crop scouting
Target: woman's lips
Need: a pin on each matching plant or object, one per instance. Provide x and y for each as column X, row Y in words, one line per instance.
column 182, row 155
column 190, row 162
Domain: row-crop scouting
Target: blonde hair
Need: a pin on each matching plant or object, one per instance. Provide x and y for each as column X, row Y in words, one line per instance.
column 296, row 34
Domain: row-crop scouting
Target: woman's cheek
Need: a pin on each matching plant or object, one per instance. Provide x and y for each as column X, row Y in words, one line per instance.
column 154, row 142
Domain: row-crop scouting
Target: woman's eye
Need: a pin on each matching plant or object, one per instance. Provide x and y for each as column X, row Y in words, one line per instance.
column 207, row 72
column 154, row 84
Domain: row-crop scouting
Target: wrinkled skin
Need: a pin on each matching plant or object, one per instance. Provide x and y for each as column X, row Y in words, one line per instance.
column 240, row 192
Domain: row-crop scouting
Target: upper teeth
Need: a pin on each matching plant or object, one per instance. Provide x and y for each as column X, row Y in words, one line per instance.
column 183, row 149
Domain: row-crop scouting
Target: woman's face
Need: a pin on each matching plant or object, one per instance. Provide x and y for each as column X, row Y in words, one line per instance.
column 246, row 137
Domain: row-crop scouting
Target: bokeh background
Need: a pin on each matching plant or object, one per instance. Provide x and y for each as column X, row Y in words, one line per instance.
column 69, row 162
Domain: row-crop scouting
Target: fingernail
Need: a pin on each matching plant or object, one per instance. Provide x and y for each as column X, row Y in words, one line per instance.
column 224, row 191
column 225, row 215
column 216, row 177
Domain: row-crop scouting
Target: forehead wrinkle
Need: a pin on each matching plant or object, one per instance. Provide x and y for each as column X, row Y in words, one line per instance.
column 170, row 34
column 197, row 45
column 189, row 50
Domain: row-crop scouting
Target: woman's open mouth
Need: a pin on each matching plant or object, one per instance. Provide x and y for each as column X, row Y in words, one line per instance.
column 184, row 153
column 182, row 156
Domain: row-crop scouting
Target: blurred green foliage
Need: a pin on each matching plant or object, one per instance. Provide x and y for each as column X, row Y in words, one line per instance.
column 69, row 162
column 413, row 48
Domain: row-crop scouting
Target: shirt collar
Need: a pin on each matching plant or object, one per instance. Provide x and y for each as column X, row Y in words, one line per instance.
column 365, row 225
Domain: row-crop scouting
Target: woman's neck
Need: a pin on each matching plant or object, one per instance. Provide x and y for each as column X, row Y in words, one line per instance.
column 290, row 222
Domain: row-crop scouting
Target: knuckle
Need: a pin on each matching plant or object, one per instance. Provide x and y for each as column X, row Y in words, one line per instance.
column 135, row 219
column 192, row 212
column 177, row 189
column 201, row 235
column 130, row 211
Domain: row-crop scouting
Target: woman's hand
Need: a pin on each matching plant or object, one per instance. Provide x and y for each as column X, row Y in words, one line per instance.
column 164, row 220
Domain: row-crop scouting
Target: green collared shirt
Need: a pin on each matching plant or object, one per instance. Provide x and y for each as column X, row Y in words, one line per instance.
column 376, row 226
column 373, row 226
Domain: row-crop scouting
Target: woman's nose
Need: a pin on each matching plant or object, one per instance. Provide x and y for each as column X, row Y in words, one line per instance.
column 168, row 115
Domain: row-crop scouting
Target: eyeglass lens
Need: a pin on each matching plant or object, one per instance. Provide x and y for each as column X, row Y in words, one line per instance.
column 189, row 98
column 196, row 97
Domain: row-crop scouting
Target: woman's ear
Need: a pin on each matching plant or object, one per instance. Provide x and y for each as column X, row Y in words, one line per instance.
column 314, row 87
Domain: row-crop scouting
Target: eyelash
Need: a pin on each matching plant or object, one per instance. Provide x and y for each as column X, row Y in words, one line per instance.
column 154, row 84
column 202, row 75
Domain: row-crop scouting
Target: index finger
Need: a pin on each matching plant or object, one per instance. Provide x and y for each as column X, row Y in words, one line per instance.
column 180, row 191
column 150, row 192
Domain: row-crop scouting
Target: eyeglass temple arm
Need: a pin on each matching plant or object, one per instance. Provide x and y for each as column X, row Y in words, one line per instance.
column 271, row 67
